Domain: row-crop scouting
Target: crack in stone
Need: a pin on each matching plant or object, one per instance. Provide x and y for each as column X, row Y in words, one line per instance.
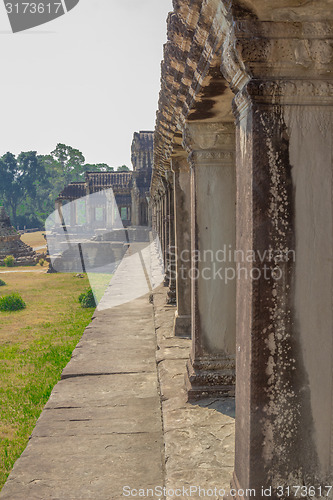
column 65, row 408
column 101, row 374
column 79, row 420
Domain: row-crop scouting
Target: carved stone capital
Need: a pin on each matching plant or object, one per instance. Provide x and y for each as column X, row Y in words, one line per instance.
column 209, row 142
column 209, row 136
column 211, row 157
column 289, row 63
column 179, row 164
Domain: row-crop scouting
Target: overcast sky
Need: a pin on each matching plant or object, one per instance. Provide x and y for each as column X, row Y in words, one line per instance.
column 88, row 79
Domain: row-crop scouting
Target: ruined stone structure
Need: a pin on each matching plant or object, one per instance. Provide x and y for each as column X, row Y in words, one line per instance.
column 131, row 189
column 242, row 187
column 11, row 244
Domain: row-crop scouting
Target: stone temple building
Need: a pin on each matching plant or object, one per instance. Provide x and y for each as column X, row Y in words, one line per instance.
column 241, row 199
column 131, row 189
column 11, row 244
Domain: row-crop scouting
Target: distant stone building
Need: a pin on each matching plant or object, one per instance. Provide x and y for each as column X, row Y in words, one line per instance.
column 131, row 189
column 11, row 244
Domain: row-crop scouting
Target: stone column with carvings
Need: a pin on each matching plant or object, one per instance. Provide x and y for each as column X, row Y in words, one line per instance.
column 284, row 112
column 109, row 209
column 166, row 221
column 73, row 214
column 211, row 368
column 161, row 215
column 171, row 296
column 158, row 216
column 182, row 211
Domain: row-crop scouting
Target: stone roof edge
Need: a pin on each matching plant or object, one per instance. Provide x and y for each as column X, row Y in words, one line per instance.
column 194, row 47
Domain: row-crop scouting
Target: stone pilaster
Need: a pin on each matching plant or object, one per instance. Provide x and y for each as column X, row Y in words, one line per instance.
column 160, row 220
column 284, row 219
column 166, row 222
column 58, row 208
column 171, row 296
column 109, row 209
column 135, row 206
column 211, row 369
column 182, row 210
column 73, row 214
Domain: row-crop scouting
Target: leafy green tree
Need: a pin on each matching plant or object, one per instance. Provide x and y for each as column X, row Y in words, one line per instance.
column 30, row 183
column 20, row 177
column 71, row 161
column 98, row 167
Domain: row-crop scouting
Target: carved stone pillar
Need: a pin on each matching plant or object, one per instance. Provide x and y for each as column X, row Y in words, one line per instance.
column 58, row 208
column 171, row 296
column 160, row 220
column 182, row 211
column 284, row 414
column 109, row 209
column 158, row 214
column 73, row 214
column 166, row 222
column 211, row 369
column 153, row 211
column 135, row 196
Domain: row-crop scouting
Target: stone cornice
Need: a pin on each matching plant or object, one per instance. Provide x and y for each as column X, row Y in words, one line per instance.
column 273, row 62
column 282, row 93
column 268, row 29
column 281, row 50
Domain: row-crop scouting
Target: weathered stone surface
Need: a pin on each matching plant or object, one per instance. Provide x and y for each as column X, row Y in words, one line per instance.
column 277, row 59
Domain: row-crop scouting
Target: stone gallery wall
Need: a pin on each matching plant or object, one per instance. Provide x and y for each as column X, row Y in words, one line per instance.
column 242, row 183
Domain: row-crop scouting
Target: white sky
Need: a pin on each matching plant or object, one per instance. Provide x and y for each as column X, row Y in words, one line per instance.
column 88, row 79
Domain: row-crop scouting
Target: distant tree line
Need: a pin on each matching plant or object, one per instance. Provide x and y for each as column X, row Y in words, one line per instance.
column 30, row 183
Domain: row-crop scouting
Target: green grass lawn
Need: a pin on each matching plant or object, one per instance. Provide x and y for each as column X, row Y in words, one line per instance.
column 35, row 345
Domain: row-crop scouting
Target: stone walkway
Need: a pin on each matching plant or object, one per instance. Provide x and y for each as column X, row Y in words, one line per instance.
column 103, row 429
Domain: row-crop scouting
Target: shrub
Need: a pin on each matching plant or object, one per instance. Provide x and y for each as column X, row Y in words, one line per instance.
column 12, row 302
column 87, row 299
column 2, row 283
column 9, row 261
column 41, row 262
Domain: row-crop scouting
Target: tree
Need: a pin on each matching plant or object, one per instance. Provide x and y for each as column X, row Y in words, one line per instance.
column 20, row 177
column 98, row 167
column 123, row 168
column 71, row 161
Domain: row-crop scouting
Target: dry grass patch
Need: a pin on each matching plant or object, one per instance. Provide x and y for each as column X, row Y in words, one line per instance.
column 34, row 239
column 35, row 345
